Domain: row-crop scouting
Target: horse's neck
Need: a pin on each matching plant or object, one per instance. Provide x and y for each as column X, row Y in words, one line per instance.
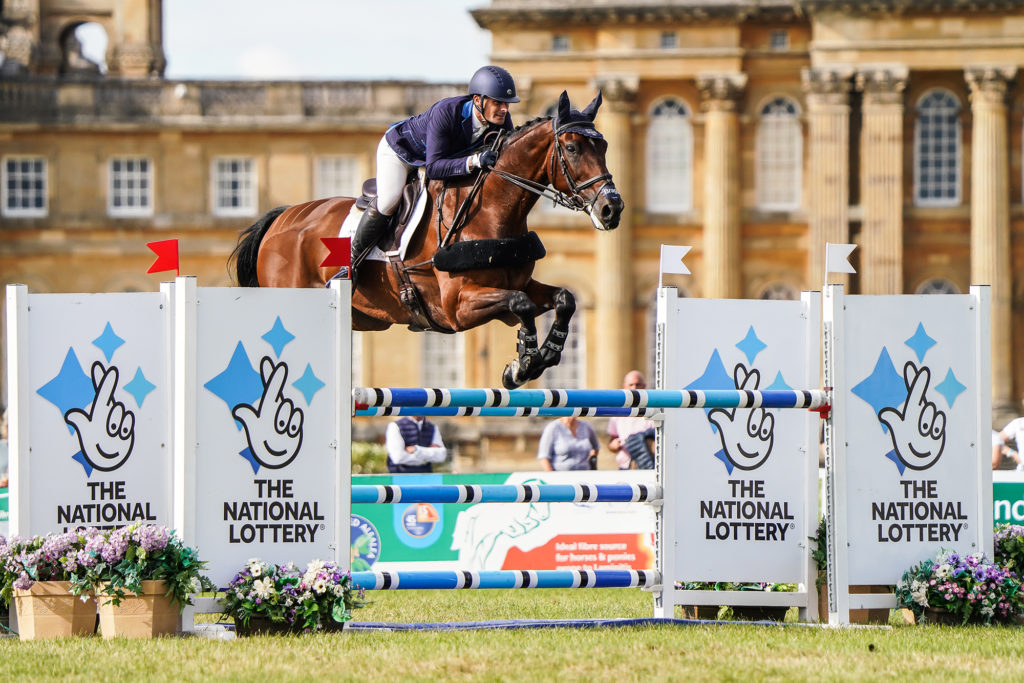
column 527, row 157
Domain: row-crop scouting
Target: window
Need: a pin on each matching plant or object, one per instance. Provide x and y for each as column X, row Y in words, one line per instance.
column 937, row 285
column 780, row 291
column 570, row 373
column 669, row 40
column 937, row 150
column 337, row 176
column 779, row 40
column 560, row 43
column 24, row 187
column 669, row 158
column 130, row 186
column 234, row 186
column 779, row 156
column 442, row 360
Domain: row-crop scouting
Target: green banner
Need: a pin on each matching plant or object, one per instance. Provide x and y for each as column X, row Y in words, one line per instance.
column 1008, row 502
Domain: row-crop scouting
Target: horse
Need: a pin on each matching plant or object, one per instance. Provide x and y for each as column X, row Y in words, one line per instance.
column 471, row 258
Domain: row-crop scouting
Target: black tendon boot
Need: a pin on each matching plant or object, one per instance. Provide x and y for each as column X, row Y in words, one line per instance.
column 371, row 228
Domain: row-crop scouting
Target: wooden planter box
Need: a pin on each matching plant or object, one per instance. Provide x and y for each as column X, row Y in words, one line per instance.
column 49, row 610
column 140, row 616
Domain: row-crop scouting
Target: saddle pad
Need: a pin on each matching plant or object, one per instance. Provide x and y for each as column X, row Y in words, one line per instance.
column 351, row 222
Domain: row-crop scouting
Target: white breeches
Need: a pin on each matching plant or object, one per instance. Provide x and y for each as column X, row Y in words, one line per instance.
column 391, row 175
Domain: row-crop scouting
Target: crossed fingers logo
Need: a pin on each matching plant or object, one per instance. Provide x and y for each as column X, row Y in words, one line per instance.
column 106, row 429
column 273, row 427
column 746, row 443
column 918, row 427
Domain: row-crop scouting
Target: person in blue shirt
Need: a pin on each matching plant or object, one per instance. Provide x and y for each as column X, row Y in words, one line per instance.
column 568, row 443
column 444, row 139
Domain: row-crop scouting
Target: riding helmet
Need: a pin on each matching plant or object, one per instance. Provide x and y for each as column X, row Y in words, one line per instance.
column 494, row 82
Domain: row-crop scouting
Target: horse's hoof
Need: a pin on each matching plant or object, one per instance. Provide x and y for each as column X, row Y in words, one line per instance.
column 508, row 376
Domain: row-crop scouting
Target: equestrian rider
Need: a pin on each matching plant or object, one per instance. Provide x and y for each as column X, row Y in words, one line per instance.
column 442, row 139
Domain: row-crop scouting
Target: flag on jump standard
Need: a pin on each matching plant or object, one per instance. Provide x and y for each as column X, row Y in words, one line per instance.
column 837, row 258
column 672, row 260
column 166, row 256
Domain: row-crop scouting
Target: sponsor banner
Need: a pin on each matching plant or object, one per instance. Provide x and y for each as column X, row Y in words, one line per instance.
column 1007, row 497
column 266, row 407
column 740, row 479
column 491, row 536
column 911, row 432
column 98, row 445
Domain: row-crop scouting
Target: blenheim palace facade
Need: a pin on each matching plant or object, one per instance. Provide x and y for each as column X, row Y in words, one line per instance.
column 753, row 131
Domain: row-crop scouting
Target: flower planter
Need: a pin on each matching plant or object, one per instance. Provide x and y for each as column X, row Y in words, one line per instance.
column 140, row 616
column 264, row 626
column 937, row 615
column 857, row 616
column 49, row 610
column 759, row 613
column 703, row 612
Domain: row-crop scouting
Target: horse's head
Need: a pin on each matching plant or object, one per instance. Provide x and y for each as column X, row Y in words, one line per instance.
column 582, row 172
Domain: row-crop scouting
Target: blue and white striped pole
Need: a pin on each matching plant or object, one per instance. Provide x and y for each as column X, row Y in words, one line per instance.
column 455, row 411
column 506, row 493
column 593, row 398
column 507, row 578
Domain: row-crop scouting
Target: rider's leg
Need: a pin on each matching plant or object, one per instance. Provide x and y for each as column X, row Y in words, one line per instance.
column 391, row 175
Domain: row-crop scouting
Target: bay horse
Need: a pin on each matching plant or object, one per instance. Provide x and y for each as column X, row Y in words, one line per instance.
column 472, row 256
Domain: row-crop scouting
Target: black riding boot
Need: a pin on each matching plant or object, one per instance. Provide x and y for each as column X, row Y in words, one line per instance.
column 371, row 228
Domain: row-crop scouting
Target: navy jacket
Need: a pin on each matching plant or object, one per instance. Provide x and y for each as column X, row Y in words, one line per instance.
column 439, row 138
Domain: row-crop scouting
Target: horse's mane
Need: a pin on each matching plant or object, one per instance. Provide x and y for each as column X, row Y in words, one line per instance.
column 524, row 128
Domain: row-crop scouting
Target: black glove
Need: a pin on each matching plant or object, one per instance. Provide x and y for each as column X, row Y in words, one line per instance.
column 488, row 158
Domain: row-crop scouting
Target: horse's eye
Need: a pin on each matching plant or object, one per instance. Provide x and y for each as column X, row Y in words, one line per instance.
column 571, row 148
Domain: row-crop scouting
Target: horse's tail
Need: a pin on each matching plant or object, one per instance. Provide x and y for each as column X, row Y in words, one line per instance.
column 248, row 248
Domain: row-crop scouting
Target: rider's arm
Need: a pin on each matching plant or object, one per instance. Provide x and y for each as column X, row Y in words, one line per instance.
column 446, row 137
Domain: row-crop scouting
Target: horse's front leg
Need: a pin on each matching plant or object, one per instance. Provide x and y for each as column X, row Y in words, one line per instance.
column 475, row 306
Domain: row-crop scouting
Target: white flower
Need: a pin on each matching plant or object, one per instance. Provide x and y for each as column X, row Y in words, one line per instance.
column 919, row 592
column 306, row 596
column 195, row 586
column 288, row 602
column 319, row 587
column 264, row 587
column 255, row 570
column 337, row 589
column 942, row 571
column 314, row 566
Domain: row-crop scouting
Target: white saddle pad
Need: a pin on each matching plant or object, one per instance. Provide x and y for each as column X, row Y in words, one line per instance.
column 348, row 227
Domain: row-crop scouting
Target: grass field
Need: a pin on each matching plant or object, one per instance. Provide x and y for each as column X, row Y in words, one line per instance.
column 714, row 652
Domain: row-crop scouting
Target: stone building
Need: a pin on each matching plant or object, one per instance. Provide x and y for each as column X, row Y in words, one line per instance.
column 755, row 131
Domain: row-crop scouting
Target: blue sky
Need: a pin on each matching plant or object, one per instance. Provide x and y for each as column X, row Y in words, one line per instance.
column 434, row 40
column 431, row 40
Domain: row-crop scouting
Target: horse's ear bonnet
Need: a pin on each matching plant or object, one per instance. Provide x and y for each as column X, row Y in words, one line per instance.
column 568, row 120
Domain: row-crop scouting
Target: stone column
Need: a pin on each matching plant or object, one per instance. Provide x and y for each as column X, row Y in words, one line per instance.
column 613, row 279
column 990, row 215
column 881, row 179
column 720, row 98
column 828, row 105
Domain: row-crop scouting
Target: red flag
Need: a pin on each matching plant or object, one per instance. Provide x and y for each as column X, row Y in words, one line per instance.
column 339, row 252
column 166, row 256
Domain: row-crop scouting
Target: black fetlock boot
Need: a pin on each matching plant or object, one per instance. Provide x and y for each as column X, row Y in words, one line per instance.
column 372, row 227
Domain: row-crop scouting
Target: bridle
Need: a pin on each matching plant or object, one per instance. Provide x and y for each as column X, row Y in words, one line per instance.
column 573, row 200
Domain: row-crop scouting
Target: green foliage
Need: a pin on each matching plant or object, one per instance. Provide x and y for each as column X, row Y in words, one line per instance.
column 819, row 551
column 1009, row 547
column 369, row 458
column 730, row 586
column 306, row 601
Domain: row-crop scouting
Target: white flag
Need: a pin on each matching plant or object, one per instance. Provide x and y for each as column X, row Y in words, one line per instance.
column 672, row 259
column 837, row 258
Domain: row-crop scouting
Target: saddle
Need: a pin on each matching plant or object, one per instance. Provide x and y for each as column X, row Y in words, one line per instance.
column 390, row 243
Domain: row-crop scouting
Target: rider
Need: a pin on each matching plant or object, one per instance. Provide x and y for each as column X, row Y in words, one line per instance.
column 442, row 139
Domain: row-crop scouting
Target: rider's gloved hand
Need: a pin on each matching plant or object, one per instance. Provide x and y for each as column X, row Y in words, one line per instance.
column 485, row 159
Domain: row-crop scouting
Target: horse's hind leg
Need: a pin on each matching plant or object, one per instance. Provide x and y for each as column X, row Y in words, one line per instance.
column 550, row 352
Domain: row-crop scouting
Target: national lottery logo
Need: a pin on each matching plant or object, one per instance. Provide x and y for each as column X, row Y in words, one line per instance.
column 99, row 407
column 908, row 407
column 746, row 435
column 268, row 407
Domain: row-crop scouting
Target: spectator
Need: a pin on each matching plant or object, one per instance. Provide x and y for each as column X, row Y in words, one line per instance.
column 630, row 435
column 568, row 443
column 1002, row 455
column 413, row 445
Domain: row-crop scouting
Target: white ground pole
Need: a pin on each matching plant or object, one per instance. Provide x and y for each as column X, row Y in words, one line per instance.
column 670, row 445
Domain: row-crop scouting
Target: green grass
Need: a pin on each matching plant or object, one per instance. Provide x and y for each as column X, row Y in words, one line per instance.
column 718, row 652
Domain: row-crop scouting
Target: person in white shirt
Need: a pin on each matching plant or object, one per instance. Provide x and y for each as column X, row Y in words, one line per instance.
column 414, row 444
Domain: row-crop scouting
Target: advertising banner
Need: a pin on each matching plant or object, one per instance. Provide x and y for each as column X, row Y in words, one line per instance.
column 504, row 535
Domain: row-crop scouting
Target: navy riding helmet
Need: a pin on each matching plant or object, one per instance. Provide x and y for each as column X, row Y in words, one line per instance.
column 494, row 82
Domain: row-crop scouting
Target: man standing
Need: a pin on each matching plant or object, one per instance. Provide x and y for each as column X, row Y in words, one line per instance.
column 413, row 445
column 629, row 435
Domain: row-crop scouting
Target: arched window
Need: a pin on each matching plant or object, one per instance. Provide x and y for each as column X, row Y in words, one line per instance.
column 443, row 360
column 571, row 371
column 669, row 158
column 937, row 285
column 779, row 156
column 937, row 146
